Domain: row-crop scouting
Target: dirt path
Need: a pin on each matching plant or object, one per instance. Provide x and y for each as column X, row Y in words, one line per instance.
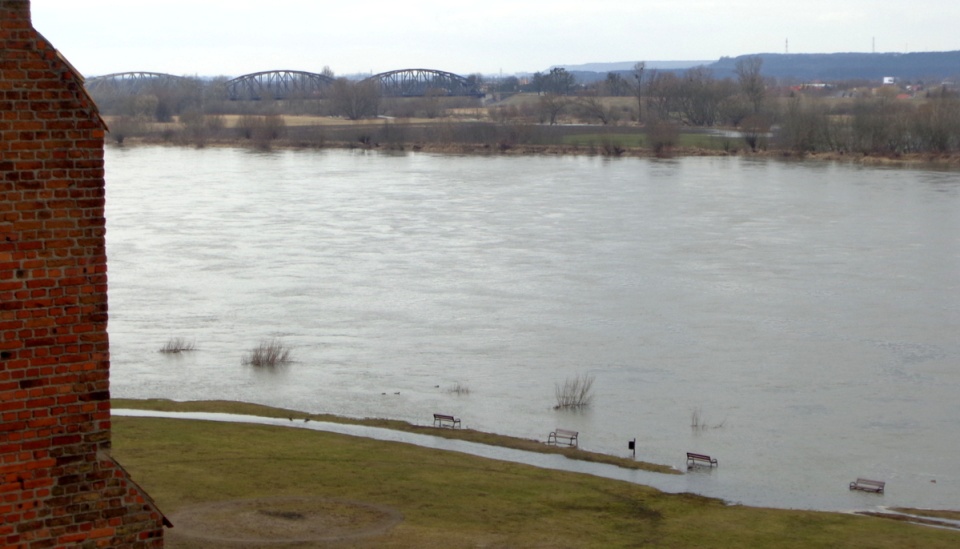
column 279, row 521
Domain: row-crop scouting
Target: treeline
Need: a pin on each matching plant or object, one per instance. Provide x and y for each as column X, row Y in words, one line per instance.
column 829, row 119
column 663, row 104
column 870, row 125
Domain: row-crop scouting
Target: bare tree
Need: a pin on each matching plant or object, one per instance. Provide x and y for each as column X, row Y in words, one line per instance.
column 591, row 106
column 551, row 105
column 699, row 96
column 215, row 97
column 615, row 85
column 751, row 82
column 937, row 124
column 662, row 90
column 805, row 127
column 754, row 130
column 638, row 69
column 880, row 125
column 430, row 104
column 355, row 100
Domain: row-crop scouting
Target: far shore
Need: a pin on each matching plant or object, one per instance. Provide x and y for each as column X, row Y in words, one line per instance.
column 903, row 160
column 464, row 137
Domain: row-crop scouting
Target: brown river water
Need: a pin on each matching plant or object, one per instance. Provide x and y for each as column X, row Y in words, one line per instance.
column 808, row 312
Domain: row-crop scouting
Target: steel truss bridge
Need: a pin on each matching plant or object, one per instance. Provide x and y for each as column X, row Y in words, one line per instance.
column 291, row 84
column 421, row 82
column 134, row 83
column 283, row 84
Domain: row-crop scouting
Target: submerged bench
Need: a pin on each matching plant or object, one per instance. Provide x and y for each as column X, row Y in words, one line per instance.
column 562, row 434
column 441, row 420
column 868, row 485
column 694, row 459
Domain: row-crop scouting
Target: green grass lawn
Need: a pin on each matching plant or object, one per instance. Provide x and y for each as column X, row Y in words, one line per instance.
column 452, row 500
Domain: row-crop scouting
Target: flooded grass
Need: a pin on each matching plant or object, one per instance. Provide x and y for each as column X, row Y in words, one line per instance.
column 470, row 435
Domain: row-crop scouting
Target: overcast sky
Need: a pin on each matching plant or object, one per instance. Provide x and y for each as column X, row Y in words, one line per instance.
column 234, row 37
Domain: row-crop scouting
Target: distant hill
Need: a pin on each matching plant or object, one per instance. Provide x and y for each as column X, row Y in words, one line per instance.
column 628, row 66
column 923, row 66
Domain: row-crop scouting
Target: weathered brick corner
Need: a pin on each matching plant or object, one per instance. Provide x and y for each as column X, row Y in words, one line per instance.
column 58, row 485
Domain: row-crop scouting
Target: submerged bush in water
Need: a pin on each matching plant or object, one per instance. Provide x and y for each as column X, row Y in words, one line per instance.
column 177, row 345
column 576, row 392
column 268, row 353
column 460, row 389
column 699, row 423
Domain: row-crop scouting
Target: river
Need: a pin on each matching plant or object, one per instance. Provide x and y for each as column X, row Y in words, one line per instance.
column 807, row 312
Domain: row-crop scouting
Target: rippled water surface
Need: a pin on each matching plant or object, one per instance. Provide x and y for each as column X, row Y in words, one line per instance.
column 809, row 311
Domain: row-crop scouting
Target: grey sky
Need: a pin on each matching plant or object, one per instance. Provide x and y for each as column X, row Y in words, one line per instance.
column 233, row 37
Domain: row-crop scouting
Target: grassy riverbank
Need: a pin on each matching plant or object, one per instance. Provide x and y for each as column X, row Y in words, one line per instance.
column 470, row 435
column 433, row 499
column 441, row 499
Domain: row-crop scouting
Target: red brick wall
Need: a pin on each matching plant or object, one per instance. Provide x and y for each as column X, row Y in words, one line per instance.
column 58, row 485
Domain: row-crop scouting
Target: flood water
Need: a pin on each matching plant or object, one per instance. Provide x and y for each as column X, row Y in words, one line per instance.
column 809, row 312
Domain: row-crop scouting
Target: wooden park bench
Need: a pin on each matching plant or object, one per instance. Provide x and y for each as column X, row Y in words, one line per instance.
column 868, row 485
column 441, row 420
column 562, row 434
column 694, row 459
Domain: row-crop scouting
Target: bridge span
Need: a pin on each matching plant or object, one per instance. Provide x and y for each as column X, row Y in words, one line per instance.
column 421, row 82
column 282, row 84
column 136, row 82
column 294, row 84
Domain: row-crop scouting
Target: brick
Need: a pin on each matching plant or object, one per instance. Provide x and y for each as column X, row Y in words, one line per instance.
column 54, row 383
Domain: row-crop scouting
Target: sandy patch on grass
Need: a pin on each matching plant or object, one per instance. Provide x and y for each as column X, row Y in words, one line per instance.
column 276, row 521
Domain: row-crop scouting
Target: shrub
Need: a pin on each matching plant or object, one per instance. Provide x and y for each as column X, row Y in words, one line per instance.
column 696, row 419
column 662, row 136
column 699, row 423
column 123, row 127
column 460, row 389
column 576, row 392
column 261, row 129
column 268, row 354
column 177, row 345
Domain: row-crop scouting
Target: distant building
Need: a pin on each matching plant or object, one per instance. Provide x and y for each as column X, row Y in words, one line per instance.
column 59, row 486
column 889, row 80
